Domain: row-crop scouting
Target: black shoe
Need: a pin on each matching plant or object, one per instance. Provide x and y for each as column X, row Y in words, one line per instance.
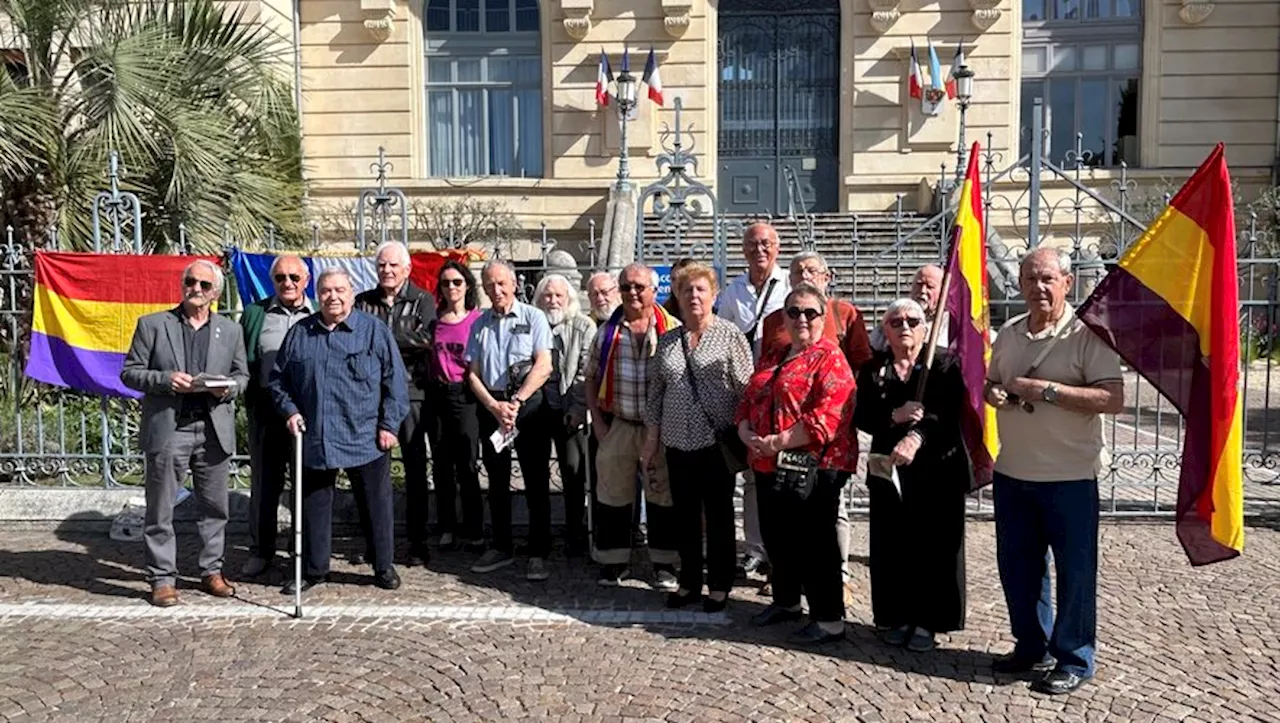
column 418, row 557
column 360, row 558
column 1058, row 682
column 774, row 614
column 387, row 579
column 811, row 634
column 307, row 584
column 711, row 605
column 1014, row 664
column 676, row 600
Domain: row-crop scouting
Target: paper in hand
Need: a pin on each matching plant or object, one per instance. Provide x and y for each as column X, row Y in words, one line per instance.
column 501, row 441
column 204, row 382
column 882, row 466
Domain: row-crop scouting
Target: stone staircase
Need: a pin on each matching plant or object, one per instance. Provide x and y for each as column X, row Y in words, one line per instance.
column 871, row 260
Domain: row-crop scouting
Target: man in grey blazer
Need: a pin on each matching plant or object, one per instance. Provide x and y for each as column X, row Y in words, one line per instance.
column 187, row 423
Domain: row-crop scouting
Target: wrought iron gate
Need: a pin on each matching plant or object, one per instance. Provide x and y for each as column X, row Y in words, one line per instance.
column 779, row 90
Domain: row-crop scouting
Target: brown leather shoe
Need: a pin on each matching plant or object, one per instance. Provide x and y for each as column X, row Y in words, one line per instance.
column 216, row 586
column 164, row 596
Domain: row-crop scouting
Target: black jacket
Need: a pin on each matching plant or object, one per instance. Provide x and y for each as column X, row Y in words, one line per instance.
column 410, row 318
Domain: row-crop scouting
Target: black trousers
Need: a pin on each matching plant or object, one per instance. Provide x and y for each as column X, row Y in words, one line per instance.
column 455, row 447
column 270, row 455
column 804, row 550
column 371, row 485
column 571, row 454
column 532, row 445
column 413, row 450
column 702, row 484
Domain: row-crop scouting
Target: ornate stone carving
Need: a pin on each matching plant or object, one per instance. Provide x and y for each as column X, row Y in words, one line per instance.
column 884, row 13
column 985, row 13
column 1194, row 12
column 577, row 17
column 379, row 17
column 676, row 16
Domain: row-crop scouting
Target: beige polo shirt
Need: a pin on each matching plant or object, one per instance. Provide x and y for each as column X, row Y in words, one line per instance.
column 1051, row 444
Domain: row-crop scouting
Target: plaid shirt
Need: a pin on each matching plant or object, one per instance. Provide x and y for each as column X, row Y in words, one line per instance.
column 630, row 362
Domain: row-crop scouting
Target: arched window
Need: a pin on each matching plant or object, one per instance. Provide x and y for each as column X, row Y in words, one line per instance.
column 484, row 88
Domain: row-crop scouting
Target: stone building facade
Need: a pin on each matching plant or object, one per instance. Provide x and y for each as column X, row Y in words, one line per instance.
column 496, row 98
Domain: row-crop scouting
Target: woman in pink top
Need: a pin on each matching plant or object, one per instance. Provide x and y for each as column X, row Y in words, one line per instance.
column 453, row 405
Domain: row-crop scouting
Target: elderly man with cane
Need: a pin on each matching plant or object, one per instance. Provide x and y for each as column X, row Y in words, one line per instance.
column 339, row 376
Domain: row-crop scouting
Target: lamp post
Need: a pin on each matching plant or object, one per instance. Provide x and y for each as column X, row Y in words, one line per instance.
column 964, row 93
column 625, row 96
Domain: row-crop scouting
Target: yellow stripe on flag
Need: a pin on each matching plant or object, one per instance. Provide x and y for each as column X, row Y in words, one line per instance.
column 91, row 325
column 1174, row 259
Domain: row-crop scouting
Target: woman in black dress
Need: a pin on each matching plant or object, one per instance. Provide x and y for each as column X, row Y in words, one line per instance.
column 917, row 536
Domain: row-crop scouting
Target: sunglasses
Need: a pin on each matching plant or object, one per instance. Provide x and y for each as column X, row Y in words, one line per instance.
column 295, row 278
column 795, row 312
column 910, row 321
column 193, row 281
column 637, row 288
column 454, row 282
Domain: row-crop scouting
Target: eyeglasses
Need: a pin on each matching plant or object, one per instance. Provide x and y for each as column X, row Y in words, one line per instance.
column 795, row 312
column 765, row 244
column 628, row 288
column 193, row 281
column 454, row 282
column 602, row 292
column 911, row 321
column 295, row 278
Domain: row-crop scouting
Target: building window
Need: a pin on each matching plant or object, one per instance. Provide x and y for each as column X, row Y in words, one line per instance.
column 483, row 88
column 1084, row 58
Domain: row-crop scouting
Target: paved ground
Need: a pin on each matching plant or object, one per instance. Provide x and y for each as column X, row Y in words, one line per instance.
column 78, row 643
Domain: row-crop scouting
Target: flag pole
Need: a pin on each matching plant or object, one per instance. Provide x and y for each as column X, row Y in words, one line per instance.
column 936, row 327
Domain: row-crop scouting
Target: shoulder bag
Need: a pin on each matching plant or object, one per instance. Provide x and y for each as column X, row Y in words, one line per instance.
column 731, row 446
column 797, row 470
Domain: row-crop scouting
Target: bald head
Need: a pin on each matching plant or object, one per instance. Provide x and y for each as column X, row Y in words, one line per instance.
column 760, row 249
column 926, row 287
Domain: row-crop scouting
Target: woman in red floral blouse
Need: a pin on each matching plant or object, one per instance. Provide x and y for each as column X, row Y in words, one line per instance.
column 800, row 400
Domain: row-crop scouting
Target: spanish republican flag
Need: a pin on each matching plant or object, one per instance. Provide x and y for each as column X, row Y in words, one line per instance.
column 86, row 308
column 969, row 307
column 1169, row 309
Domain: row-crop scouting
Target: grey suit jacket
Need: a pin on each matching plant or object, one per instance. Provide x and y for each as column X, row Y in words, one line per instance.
column 157, row 351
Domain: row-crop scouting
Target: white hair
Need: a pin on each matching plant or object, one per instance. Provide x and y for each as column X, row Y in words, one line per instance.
column 807, row 255
column 598, row 275
column 492, row 264
column 903, row 304
column 571, row 298
column 654, row 280
column 400, row 248
column 335, row 271
column 1062, row 257
column 218, row 278
column 306, row 273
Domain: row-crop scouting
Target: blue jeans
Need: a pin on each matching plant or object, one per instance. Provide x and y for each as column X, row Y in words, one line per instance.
column 1031, row 519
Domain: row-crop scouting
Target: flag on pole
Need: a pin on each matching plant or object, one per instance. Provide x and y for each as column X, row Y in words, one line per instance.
column 969, row 308
column 1170, row 309
column 651, row 78
column 85, row 309
column 956, row 62
column 935, row 68
column 915, row 81
column 604, row 76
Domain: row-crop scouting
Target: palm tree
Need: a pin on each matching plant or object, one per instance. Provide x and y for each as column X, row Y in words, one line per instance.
column 194, row 98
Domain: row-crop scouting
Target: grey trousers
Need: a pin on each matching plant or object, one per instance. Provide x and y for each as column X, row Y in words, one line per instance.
column 192, row 447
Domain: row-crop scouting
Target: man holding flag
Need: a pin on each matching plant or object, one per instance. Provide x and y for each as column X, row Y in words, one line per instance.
column 1051, row 379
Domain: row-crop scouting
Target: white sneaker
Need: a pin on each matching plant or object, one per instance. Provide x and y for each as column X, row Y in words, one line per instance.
column 537, row 570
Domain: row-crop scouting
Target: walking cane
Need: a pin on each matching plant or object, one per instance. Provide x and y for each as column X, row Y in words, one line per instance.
column 591, row 492
column 297, row 520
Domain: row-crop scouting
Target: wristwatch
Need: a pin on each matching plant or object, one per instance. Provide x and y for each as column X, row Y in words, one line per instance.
column 1050, row 394
column 518, row 402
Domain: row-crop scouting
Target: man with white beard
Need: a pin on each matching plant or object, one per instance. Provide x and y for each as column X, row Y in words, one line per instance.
column 602, row 292
column 565, row 410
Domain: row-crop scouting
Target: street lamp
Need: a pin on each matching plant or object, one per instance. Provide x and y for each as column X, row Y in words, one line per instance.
column 964, row 93
column 625, row 95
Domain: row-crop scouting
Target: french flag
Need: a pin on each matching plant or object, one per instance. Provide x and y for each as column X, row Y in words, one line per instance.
column 604, row 76
column 915, row 82
column 651, row 78
column 951, row 77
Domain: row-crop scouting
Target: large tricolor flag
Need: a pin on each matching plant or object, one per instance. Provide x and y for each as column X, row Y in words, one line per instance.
column 604, row 76
column 652, row 79
column 253, row 271
column 915, row 81
column 969, row 307
column 1169, row 308
column 86, row 308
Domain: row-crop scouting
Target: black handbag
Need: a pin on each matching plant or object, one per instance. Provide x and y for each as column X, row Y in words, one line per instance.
column 797, row 473
column 731, row 445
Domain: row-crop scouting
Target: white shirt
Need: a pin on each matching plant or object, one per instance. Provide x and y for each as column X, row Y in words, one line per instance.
column 740, row 304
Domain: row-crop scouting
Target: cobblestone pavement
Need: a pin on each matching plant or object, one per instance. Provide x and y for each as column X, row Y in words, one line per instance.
column 77, row 642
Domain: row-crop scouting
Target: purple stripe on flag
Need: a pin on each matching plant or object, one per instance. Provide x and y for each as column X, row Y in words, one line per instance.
column 969, row 348
column 54, row 361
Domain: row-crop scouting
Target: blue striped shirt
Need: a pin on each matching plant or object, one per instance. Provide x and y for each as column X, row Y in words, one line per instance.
column 347, row 383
